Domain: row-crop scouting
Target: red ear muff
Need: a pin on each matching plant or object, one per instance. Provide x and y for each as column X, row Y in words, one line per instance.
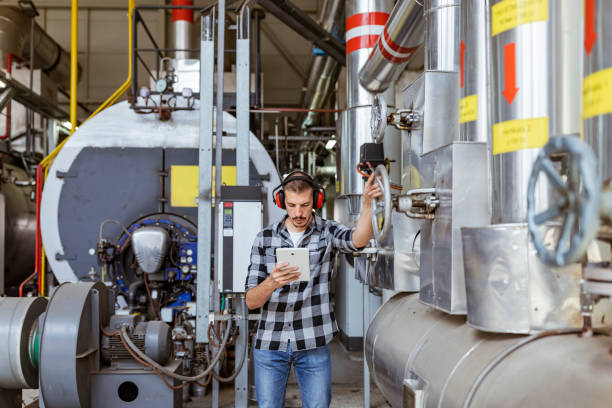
column 279, row 199
column 318, row 199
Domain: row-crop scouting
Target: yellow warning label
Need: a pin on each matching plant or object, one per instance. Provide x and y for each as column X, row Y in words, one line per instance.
column 519, row 134
column 184, row 184
column 508, row 14
column 597, row 94
column 468, row 109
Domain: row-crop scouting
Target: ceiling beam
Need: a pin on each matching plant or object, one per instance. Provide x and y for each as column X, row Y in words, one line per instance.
column 308, row 28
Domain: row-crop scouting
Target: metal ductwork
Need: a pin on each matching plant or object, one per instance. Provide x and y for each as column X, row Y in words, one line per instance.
column 324, row 70
column 401, row 38
column 48, row 55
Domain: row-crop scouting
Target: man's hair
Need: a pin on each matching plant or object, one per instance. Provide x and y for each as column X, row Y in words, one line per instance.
column 297, row 186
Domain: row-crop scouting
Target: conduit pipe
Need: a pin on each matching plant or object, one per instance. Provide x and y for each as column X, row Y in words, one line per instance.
column 398, row 43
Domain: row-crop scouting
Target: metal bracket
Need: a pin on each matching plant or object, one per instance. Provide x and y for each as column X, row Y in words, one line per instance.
column 65, row 257
column 405, row 119
column 65, row 174
column 419, row 203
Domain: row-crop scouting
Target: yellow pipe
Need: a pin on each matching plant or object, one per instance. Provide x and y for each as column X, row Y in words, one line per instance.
column 112, row 99
column 74, row 63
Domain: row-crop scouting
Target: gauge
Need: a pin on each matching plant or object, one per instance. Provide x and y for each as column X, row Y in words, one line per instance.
column 161, row 85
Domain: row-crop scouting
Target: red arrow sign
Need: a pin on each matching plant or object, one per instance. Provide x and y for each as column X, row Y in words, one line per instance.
column 590, row 35
column 462, row 58
column 510, row 88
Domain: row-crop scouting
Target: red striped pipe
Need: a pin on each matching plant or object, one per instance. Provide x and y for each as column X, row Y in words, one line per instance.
column 363, row 30
column 182, row 14
column 402, row 36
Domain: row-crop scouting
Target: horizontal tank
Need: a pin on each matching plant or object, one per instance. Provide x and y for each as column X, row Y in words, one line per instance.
column 449, row 364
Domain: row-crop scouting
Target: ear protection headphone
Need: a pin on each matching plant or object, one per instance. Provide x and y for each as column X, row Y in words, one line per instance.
column 318, row 194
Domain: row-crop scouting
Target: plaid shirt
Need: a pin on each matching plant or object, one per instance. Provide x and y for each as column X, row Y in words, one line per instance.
column 300, row 312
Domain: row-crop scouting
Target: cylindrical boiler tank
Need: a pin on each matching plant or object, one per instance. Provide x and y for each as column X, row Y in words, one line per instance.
column 414, row 350
column 19, row 218
column 124, row 166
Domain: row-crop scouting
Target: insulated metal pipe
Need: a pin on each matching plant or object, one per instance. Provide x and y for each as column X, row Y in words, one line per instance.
column 15, row 39
column 442, row 27
column 365, row 21
column 401, row 38
column 182, row 20
column 474, row 105
column 324, row 70
column 597, row 84
column 535, row 94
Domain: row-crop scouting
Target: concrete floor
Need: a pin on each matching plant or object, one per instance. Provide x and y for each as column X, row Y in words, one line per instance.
column 347, row 385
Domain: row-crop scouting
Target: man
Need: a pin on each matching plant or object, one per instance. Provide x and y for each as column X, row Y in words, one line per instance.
column 297, row 318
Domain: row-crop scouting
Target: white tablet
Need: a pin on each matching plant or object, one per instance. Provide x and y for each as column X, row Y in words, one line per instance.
column 295, row 257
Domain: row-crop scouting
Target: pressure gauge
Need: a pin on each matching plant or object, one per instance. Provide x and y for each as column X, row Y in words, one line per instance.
column 161, row 85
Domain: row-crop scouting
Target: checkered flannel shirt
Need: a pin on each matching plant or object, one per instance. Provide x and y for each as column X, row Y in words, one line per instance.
column 300, row 312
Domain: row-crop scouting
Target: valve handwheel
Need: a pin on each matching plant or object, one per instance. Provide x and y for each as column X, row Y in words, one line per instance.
column 578, row 205
column 378, row 121
column 381, row 208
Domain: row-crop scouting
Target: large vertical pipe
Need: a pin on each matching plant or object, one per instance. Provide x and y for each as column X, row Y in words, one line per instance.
column 365, row 21
column 182, row 20
column 474, row 105
column 207, row 73
column 597, row 84
column 536, row 71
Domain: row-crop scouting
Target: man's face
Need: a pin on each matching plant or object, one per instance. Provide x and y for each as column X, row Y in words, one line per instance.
column 299, row 207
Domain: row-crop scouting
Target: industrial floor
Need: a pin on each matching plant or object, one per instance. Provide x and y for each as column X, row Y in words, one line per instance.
column 347, row 385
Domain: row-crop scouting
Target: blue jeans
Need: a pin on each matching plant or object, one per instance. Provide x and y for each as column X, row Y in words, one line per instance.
column 312, row 370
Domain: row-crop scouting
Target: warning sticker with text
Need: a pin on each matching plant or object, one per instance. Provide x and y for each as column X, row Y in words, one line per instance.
column 597, row 94
column 508, row 14
column 468, row 108
column 520, row 134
